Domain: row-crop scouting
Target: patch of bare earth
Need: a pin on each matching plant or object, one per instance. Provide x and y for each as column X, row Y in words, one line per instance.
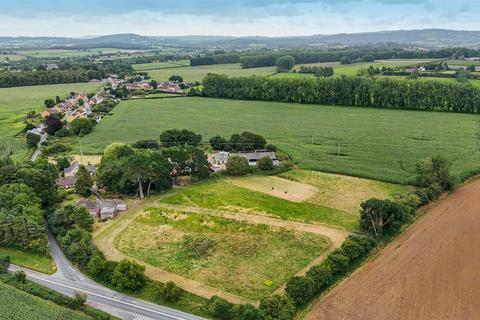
column 277, row 187
column 429, row 272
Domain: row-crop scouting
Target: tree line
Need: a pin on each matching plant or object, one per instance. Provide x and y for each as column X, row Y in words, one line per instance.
column 346, row 55
column 348, row 91
column 66, row 73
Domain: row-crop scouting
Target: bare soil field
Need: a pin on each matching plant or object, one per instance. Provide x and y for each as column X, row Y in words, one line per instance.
column 277, row 187
column 429, row 272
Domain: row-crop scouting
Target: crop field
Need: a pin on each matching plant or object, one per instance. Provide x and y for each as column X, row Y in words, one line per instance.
column 161, row 65
column 18, row 305
column 221, row 195
column 344, row 192
column 29, row 260
column 197, row 73
column 372, row 143
column 15, row 103
column 237, row 257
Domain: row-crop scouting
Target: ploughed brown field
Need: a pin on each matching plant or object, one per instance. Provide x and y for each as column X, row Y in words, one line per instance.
column 432, row 271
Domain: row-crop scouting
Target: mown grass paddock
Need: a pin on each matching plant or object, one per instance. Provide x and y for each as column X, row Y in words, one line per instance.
column 373, row 143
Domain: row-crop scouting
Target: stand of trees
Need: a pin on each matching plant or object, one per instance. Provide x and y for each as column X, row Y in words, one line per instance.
column 26, row 189
column 66, row 73
column 317, row 71
column 215, row 59
column 240, row 142
column 349, row 91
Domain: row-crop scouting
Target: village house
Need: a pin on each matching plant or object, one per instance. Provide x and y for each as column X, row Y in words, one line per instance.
column 72, row 170
column 255, row 155
column 218, row 160
column 139, row 86
column 48, row 112
column 67, row 182
column 103, row 209
column 169, row 87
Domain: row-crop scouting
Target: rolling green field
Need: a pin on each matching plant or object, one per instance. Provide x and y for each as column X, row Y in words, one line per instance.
column 373, row 143
column 15, row 103
column 18, row 305
column 197, row 73
column 237, row 257
column 161, row 65
column 29, row 260
column 220, row 194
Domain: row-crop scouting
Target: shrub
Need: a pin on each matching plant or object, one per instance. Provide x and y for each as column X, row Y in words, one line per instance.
column 244, row 312
column 352, row 249
column 171, row 292
column 300, row 289
column 198, row 246
column 20, row 276
column 435, row 172
column 265, row 164
column 64, row 132
column 32, row 140
column 237, row 166
column 4, row 264
column 276, row 307
column 271, row 147
column 79, row 299
column 146, row 144
column 128, row 275
column 220, row 308
column 379, row 217
column 337, row 261
column 55, row 148
column 321, row 277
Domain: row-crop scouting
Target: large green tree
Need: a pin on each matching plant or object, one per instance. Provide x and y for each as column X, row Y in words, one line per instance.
column 84, row 182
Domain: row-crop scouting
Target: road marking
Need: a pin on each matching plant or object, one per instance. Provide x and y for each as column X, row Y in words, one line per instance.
column 108, row 298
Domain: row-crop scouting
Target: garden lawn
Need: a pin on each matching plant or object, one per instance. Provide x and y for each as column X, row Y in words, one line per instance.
column 29, row 260
column 18, row 305
column 222, row 195
column 247, row 260
column 380, row 144
column 16, row 102
column 197, row 73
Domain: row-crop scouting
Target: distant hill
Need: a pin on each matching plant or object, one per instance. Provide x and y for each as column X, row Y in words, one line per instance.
column 429, row 38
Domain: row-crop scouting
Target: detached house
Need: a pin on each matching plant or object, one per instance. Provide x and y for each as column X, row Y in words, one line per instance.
column 253, row 156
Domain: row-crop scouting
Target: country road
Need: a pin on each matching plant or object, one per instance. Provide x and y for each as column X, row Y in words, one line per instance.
column 68, row 280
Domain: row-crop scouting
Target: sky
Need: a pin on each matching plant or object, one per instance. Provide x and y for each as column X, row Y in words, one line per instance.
column 231, row 17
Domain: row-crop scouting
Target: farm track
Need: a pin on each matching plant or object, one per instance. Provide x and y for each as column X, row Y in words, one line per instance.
column 429, row 272
column 105, row 240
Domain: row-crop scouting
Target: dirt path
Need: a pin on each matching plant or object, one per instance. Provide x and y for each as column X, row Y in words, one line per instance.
column 429, row 272
column 105, row 234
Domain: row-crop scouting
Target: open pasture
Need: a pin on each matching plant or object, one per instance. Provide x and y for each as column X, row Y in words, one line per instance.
column 161, row 65
column 197, row 73
column 15, row 103
column 237, row 257
column 373, row 143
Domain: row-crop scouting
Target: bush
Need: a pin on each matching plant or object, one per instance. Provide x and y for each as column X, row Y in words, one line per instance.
column 20, row 276
column 128, row 275
column 244, row 312
column 55, row 148
column 64, row 132
column 265, row 164
column 276, row 307
column 171, row 292
column 237, row 166
column 4, row 264
column 198, row 246
column 32, row 140
column 220, row 308
column 337, row 261
column 300, row 289
column 146, row 144
column 321, row 277
column 79, row 300
column 271, row 147
column 435, row 173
